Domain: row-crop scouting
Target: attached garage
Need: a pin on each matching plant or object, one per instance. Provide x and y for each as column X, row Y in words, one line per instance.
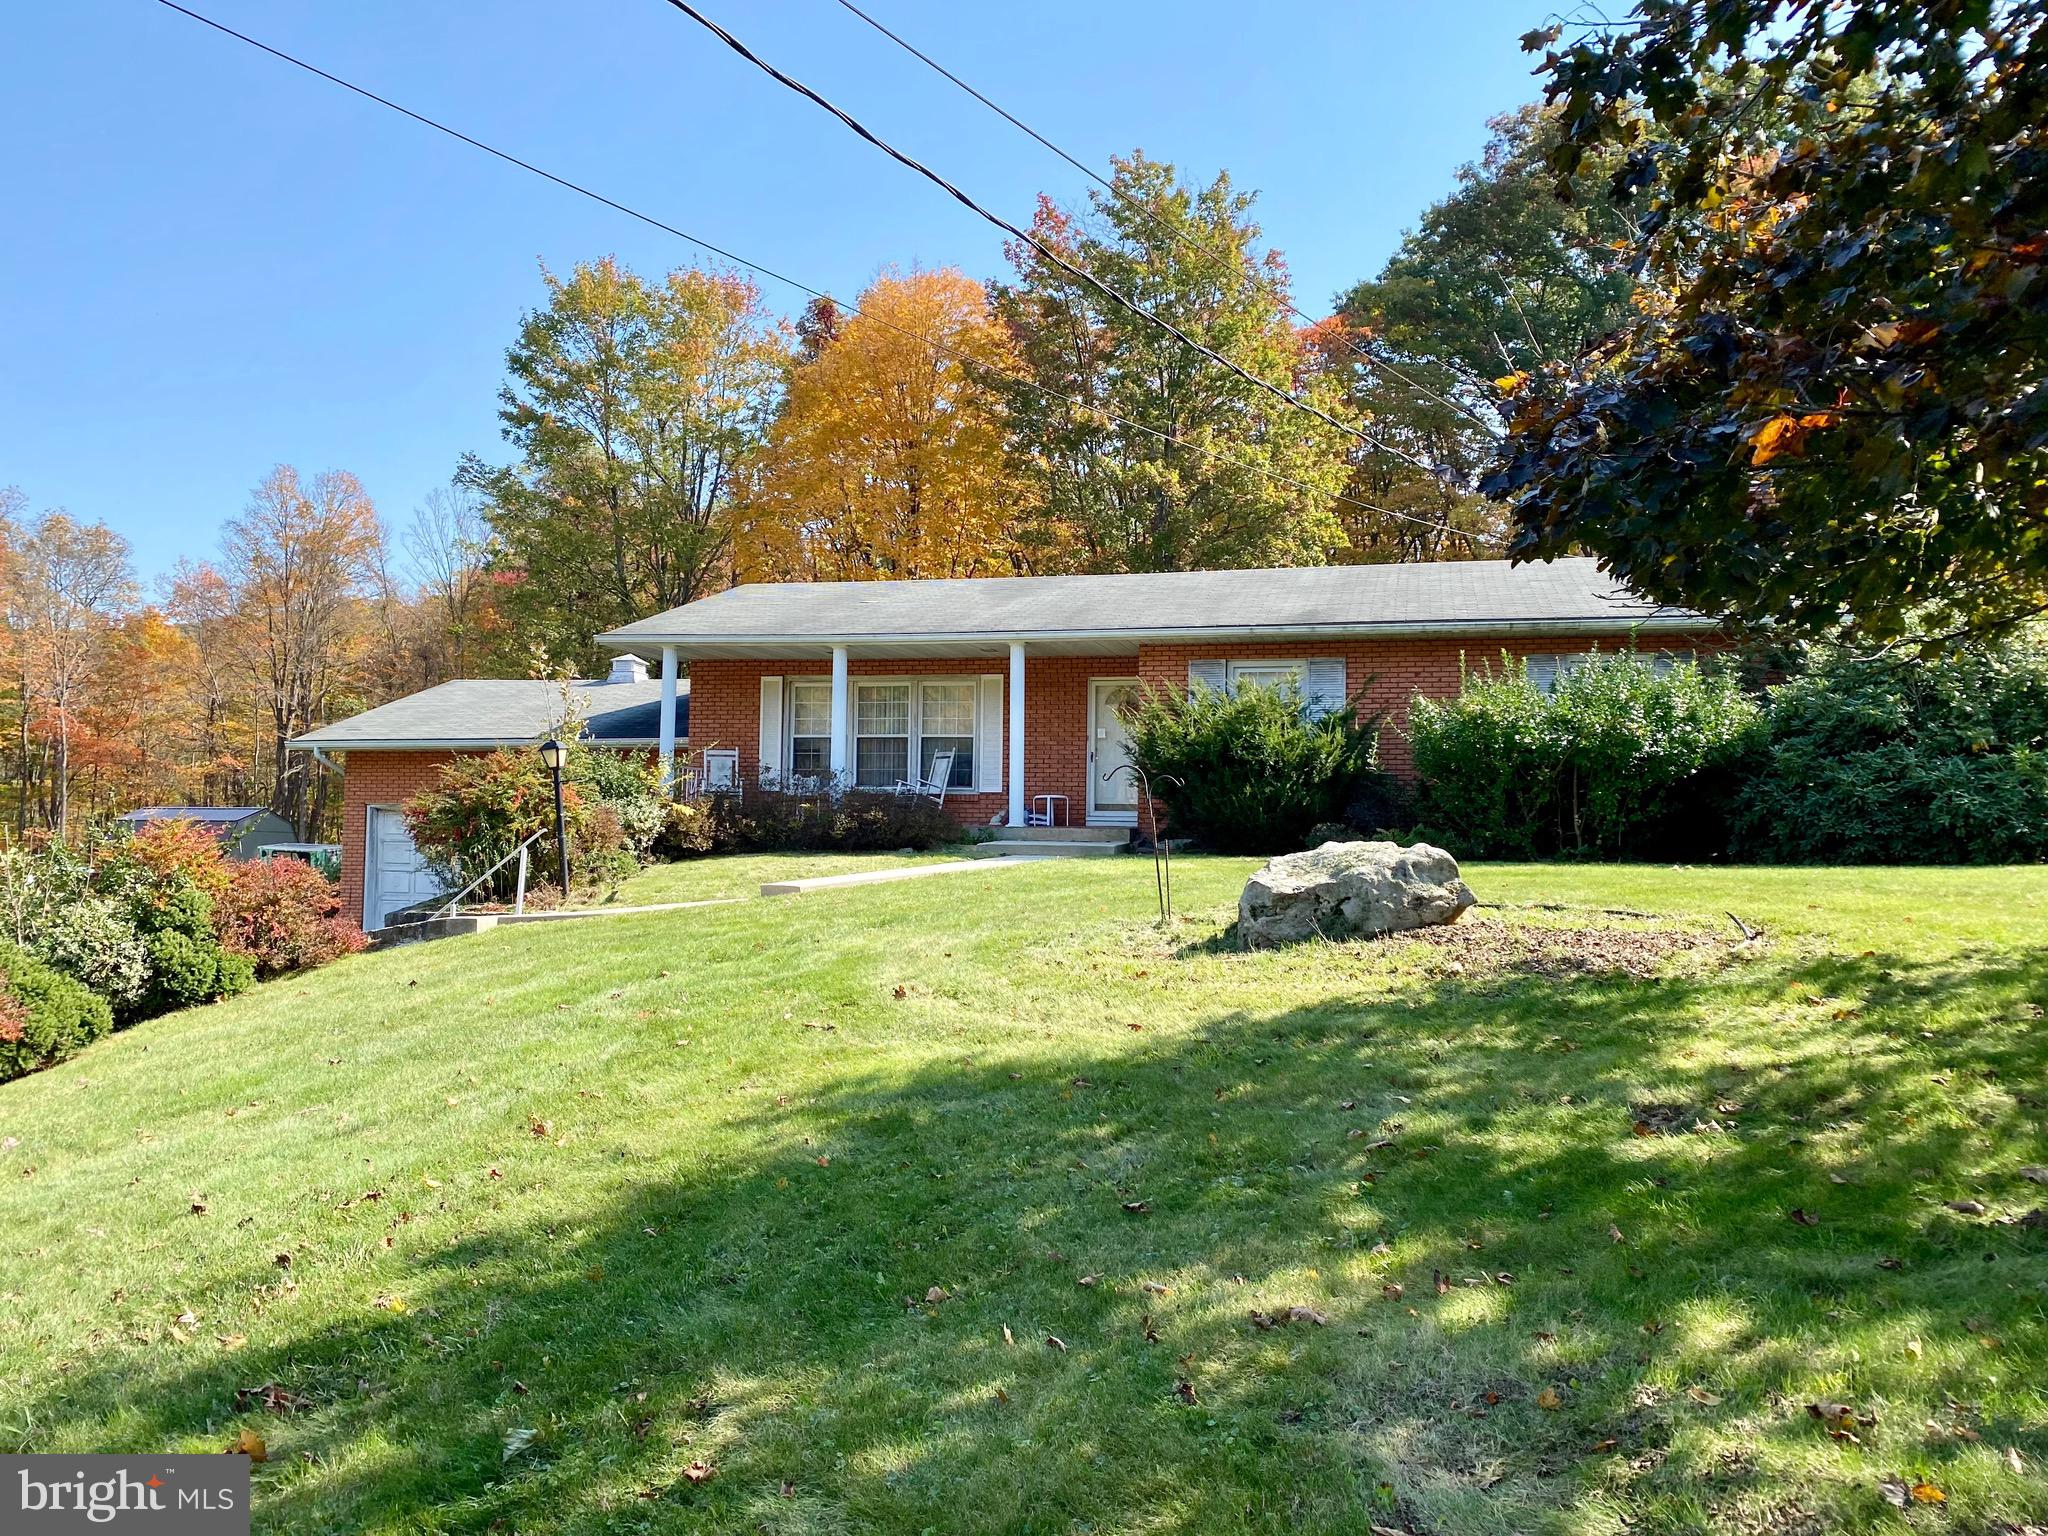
column 389, row 754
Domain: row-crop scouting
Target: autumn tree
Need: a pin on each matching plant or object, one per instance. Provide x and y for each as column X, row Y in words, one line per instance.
column 1830, row 414
column 887, row 459
column 636, row 406
column 1138, row 453
column 70, row 582
column 448, row 547
column 299, row 560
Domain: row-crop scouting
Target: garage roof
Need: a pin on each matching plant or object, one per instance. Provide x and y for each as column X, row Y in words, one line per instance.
column 478, row 713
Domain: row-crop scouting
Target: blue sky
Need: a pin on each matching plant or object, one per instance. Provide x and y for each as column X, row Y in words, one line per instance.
column 216, row 263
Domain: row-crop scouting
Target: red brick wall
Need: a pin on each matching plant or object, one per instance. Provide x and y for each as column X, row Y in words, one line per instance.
column 725, row 696
column 375, row 778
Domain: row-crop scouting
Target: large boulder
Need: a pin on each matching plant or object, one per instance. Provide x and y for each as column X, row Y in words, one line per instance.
column 1350, row 890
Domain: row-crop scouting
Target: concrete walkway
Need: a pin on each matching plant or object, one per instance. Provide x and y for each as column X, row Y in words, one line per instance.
column 883, row 876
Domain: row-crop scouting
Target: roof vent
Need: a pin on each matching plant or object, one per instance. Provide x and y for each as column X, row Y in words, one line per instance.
column 628, row 669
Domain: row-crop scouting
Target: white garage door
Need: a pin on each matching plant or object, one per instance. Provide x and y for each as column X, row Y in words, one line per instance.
column 394, row 874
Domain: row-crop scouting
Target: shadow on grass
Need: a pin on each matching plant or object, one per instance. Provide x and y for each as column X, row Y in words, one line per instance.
column 849, row 1324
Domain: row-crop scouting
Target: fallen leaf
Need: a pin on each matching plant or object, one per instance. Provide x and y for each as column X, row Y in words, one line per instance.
column 250, row 1444
column 1185, row 1391
column 1702, row 1396
column 1549, row 1400
column 2035, row 1175
column 1137, row 1207
column 1966, row 1207
column 1054, row 1341
column 1391, row 1290
column 699, row 1472
column 1927, row 1493
column 1912, row 1349
column 1893, row 1491
column 1803, row 1217
column 1614, row 1233
column 1008, row 1337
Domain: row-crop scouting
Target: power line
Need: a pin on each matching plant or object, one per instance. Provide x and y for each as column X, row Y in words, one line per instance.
column 734, row 257
column 1159, row 222
column 1080, row 273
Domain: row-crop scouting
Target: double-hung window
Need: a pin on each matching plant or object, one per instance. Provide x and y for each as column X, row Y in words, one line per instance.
column 881, row 734
column 945, row 723
column 810, row 729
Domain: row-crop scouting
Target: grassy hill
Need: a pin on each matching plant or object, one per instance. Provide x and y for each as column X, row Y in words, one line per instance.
column 767, row 1216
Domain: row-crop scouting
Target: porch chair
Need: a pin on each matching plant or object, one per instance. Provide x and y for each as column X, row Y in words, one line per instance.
column 933, row 788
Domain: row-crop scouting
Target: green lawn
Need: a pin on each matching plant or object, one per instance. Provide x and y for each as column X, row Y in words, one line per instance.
column 799, row 1191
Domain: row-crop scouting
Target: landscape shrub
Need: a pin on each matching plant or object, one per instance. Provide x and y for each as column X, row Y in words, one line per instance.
column 1621, row 760
column 1248, row 770
column 1898, row 760
column 45, row 1015
column 757, row 820
column 285, row 916
column 629, row 786
column 481, row 807
column 92, row 940
column 165, row 850
column 185, row 971
column 686, row 830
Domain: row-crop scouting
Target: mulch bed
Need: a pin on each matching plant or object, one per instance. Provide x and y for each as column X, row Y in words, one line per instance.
column 1488, row 946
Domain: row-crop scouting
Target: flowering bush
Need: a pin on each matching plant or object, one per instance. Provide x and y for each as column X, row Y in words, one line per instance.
column 285, row 916
column 164, row 850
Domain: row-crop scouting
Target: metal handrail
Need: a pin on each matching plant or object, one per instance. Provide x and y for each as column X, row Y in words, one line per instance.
column 519, row 897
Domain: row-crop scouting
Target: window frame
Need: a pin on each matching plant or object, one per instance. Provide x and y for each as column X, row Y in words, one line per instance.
column 790, row 734
column 966, row 760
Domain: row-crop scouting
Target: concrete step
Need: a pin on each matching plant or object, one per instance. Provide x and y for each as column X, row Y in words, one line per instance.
column 1062, row 834
column 1042, row 848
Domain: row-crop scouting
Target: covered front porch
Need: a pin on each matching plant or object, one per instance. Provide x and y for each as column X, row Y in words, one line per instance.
column 1031, row 730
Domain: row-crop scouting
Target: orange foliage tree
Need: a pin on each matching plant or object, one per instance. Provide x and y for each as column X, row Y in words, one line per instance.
column 887, row 458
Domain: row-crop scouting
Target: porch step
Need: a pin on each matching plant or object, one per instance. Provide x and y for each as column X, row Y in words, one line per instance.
column 1063, row 834
column 1044, row 848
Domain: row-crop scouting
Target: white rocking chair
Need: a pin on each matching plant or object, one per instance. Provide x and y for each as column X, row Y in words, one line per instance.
column 933, row 788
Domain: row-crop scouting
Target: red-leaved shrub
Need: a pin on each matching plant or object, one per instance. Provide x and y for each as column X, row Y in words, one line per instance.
column 284, row 915
column 180, row 848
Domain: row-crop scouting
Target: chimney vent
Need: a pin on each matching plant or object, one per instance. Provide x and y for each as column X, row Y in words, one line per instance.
column 628, row 669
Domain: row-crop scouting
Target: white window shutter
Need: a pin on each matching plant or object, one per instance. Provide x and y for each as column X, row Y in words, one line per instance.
column 771, row 727
column 989, row 749
column 1322, row 686
column 1208, row 674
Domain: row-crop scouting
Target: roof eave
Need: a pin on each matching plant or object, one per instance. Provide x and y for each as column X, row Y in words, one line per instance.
column 1655, row 623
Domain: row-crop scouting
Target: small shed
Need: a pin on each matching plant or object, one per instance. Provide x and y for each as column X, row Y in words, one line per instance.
column 241, row 829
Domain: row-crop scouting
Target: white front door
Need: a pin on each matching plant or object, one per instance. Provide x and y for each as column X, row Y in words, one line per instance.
column 394, row 874
column 1112, row 792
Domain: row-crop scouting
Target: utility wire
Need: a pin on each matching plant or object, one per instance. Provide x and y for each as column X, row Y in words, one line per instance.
column 1072, row 269
column 1160, row 223
column 1076, row 401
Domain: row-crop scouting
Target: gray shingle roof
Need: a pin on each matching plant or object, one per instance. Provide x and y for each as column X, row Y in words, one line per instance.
column 494, row 712
column 1453, row 597
column 209, row 813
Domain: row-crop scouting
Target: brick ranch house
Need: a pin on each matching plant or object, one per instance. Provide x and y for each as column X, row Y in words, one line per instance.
column 390, row 753
column 1021, row 677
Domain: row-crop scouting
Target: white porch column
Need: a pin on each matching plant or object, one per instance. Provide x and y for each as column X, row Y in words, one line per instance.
column 842, row 718
column 668, row 718
column 1016, row 733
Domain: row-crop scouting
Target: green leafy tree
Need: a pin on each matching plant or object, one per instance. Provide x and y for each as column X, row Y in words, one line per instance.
column 636, row 407
column 1500, row 276
column 1216, row 473
column 1832, row 407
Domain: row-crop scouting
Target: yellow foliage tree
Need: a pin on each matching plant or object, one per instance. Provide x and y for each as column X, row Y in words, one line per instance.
column 887, row 460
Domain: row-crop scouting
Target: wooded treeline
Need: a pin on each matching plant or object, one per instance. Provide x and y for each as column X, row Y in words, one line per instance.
column 670, row 434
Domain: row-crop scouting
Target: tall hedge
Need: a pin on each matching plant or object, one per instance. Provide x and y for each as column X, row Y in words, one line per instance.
column 1897, row 759
column 1248, row 770
column 1621, row 760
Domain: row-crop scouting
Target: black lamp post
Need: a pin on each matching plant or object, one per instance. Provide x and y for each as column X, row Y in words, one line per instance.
column 554, row 754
